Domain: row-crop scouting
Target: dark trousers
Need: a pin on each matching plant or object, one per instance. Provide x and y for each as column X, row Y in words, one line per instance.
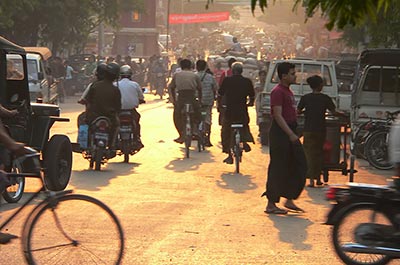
column 186, row 97
column 313, row 148
column 287, row 167
column 226, row 135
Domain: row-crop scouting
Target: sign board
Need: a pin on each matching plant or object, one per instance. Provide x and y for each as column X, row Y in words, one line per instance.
column 198, row 18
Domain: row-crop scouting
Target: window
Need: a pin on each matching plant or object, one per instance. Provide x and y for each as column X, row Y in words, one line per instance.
column 388, row 77
column 32, row 70
column 136, row 17
column 308, row 70
column 15, row 68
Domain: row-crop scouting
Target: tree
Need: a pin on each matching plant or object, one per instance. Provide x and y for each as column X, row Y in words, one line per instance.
column 59, row 23
column 384, row 31
column 338, row 12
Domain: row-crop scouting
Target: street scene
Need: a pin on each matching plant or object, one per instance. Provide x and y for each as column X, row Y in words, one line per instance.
column 176, row 210
column 199, row 132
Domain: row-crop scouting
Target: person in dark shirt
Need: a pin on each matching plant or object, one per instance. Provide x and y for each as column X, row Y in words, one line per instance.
column 314, row 106
column 104, row 99
column 236, row 89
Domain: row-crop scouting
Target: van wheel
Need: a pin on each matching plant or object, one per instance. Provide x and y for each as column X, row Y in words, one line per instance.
column 57, row 162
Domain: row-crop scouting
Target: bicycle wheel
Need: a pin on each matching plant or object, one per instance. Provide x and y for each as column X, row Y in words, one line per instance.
column 237, row 152
column 14, row 192
column 73, row 229
column 376, row 150
column 188, row 136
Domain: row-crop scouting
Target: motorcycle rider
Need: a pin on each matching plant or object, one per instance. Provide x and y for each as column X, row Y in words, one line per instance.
column 183, row 88
column 131, row 97
column 159, row 73
column 104, row 99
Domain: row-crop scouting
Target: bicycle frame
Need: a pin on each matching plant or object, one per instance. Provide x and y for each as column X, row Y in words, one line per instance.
column 30, row 199
column 237, row 147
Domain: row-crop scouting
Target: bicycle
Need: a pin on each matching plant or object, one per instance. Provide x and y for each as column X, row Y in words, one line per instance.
column 187, row 114
column 56, row 232
column 201, row 141
column 237, row 147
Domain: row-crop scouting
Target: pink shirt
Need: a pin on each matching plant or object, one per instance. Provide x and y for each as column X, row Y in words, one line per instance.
column 283, row 96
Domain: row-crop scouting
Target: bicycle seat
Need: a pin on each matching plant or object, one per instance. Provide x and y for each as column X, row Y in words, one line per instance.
column 236, row 125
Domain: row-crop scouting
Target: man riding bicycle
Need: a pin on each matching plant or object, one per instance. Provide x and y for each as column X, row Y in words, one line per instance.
column 185, row 87
column 236, row 90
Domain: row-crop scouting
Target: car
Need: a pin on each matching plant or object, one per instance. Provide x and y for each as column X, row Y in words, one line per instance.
column 33, row 122
column 41, row 85
column 304, row 69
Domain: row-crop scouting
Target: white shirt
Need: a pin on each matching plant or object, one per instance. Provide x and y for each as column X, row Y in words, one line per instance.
column 68, row 73
column 131, row 93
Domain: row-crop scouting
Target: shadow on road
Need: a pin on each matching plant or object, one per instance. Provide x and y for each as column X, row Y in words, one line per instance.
column 238, row 183
column 292, row 229
column 195, row 160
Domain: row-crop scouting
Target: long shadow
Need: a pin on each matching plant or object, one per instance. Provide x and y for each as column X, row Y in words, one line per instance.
column 92, row 180
column 194, row 161
column 295, row 237
column 238, row 183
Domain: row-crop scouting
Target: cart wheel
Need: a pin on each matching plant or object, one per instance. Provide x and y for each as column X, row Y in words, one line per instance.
column 351, row 169
column 326, row 175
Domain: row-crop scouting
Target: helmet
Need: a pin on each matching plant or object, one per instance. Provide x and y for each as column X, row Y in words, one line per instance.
column 101, row 70
column 125, row 70
column 112, row 71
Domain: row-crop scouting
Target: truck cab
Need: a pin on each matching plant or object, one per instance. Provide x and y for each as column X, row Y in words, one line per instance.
column 304, row 69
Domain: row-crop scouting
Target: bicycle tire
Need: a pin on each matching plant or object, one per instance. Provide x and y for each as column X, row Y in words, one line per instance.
column 188, row 135
column 376, row 151
column 91, row 234
column 237, row 152
column 13, row 193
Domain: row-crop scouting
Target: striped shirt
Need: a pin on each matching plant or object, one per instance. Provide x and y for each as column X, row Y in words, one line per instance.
column 209, row 88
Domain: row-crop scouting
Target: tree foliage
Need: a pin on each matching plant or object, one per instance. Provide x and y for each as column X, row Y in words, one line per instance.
column 58, row 23
column 384, row 31
column 338, row 12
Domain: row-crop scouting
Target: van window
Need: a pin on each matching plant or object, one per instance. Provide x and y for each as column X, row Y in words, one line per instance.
column 308, row 70
column 15, row 68
column 32, row 70
column 389, row 77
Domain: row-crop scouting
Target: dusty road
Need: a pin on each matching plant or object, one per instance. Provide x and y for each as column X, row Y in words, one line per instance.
column 196, row 210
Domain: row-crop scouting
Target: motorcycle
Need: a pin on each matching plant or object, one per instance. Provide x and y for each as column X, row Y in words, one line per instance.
column 366, row 222
column 128, row 142
column 94, row 141
column 160, row 84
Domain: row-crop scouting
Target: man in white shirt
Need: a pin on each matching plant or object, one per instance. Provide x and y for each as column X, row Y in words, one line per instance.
column 131, row 96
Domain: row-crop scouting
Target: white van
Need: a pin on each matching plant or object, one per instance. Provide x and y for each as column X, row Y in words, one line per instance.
column 377, row 85
column 304, row 69
column 41, row 86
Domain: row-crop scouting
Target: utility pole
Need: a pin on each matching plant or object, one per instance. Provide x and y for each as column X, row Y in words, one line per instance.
column 169, row 2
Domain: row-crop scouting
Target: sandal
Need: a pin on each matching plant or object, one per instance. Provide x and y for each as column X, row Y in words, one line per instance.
column 276, row 211
column 294, row 208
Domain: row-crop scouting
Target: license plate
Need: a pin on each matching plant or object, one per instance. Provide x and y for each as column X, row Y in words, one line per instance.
column 101, row 136
column 125, row 129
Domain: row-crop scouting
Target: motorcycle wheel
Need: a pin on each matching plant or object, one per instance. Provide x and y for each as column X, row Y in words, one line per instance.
column 13, row 193
column 376, row 151
column 126, row 158
column 343, row 233
column 97, row 160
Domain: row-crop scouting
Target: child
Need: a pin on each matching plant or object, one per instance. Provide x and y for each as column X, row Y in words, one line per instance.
column 314, row 106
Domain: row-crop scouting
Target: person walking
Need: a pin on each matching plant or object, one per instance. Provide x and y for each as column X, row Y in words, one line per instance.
column 314, row 106
column 236, row 89
column 209, row 91
column 288, row 166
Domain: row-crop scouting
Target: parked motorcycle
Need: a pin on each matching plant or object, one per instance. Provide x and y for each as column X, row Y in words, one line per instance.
column 128, row 142
column 366, row 222
column 95, row 140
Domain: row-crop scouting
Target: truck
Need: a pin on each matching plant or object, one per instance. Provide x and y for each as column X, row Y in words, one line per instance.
column 304, row 69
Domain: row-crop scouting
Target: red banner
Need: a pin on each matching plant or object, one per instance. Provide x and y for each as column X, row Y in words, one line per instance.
column 198, row 18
